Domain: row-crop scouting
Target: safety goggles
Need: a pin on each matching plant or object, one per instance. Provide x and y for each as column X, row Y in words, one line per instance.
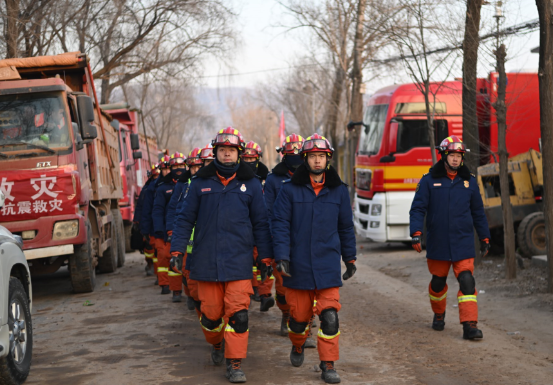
column 226, row 139
column 250, row 153
column 194, row 161
column 292, row 147
column 453, row 147
column 316, row 144
column 177, row 161
column 206, row 153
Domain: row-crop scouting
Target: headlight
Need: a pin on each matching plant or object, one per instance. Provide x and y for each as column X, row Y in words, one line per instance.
column 65, row 230
column 376, row 209
column 375, row 225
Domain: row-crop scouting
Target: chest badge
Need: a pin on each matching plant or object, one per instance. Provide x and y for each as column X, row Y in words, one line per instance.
column 243, row 188
column 437, row 184
column 467, row 184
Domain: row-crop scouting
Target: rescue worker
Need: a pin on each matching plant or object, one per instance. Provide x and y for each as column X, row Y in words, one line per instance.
column 262, row 292
column 450, row 199
column 207, row 154
column 224, row 203
column 283, row 171
column 312, row 227
column 149, row 253
column 177, row 280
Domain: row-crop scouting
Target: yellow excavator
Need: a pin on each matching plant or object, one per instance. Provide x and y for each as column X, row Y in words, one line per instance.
column 526, row 191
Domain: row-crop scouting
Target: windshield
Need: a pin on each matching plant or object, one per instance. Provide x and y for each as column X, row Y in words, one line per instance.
column 371, row 134
column 33, row 121
column 414, row 133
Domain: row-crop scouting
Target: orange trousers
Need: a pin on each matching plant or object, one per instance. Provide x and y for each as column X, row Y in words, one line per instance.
column 302, row 309
column 163, row 258
column 220, row 301
column 152, row 253
column 280, row 290
column 468, row 305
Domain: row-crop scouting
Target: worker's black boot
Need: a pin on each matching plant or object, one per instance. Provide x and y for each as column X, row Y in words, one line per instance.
column 439, row 321
column 165, row 289
column 218, row 353
column 267, row 302
column 284, row 323
column 190, row 303
column 329, row 374
column 255, row 296
column 297, row 355
column 177, row 296
column 471, row 331
column 234, row 371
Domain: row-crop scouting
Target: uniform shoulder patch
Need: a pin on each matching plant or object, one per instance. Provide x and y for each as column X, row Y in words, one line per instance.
column 418, row 185
column 473, row 174
column 425, row 174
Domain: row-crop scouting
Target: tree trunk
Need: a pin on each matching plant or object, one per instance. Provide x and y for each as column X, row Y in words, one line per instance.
column 106, row 91
column 470, row 61
column 334, row 111
column 430, row 121
column 545, row 76
column 501, row 112
column 11, row 30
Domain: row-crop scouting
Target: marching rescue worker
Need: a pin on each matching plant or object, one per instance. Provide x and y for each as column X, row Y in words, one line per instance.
column 149, row 253
column 262, row 291
column 450, row 199
column 312, row 227
column 224, row 205
column 283, row 171
column 177, row 280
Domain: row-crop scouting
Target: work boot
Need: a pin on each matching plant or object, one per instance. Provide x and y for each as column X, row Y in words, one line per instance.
column 297, row 356
column 470, row 331
column 439, row 321
column 329, row 374
column 267, row 302
column 284, row 323
column 255, row 296
column 190, row 303
column 218, row 353
column 165, row 290
column 310, row 342
column 234, row 371
column 177, row 296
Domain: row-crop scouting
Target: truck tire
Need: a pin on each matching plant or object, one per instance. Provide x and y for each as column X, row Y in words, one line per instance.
column 128, row 235
column 107, row 263
column 83, row 274
column 122, row 238
column 15, row 367
column 531, row 235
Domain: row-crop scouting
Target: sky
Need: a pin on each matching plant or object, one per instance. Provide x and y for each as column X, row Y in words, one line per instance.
column 265, row 47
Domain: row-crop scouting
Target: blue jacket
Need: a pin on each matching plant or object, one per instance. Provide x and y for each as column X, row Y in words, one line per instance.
column 176, row 197
column 228, row 221
column 146, row 224
column 161, row 201
column 312, row 231
column 273, row 184
column 452, row 208
column 140, row 202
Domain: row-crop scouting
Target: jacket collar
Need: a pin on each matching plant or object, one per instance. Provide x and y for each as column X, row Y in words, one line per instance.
column 210, row 171
column 281, row 169
column 262, row 171
column 185, row 177
column 439, row 171
column 301, row 177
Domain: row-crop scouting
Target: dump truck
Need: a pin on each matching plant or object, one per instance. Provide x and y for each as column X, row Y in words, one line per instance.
column 58, row 168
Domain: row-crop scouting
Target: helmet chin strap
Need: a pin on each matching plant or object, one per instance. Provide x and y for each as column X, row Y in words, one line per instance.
column 316, row 172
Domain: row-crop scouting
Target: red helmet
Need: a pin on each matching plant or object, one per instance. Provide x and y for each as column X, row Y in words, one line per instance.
column 207, row 152
column 252, row 150
column 452, row 144
column 229, row 137
column 155, row 169
column 292, row 144
column 177, row 158
column 316, row 143
column 194, row 157
column 164, row 162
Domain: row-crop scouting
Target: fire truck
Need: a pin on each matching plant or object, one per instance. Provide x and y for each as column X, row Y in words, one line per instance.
column 58, row 168
column 393, row 149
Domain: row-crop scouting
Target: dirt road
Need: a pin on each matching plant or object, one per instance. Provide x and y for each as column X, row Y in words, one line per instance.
column 133, row 335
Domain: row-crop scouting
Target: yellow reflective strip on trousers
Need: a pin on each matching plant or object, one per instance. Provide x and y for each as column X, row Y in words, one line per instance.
column 467, row 298
column 322, row 335
column 437, row 299
column 149, row 255
column 254, row 269
column 171, row 273
column 154, row 260
column 230, row 329
column 258, row 278
column 162, row 269
column 293, row 332
column 214, row 330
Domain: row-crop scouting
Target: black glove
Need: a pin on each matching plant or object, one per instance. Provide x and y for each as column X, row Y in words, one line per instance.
column 350, row 270
column 147, row 243
column 283, row 267
column 176, row 263
column 263, row 271
column 169, row 237
column 416, row 243
column 484, row 247
column 135, row 227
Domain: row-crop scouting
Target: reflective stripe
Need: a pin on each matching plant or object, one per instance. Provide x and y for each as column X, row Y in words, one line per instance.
column 162, row 269
column 214, row 330
column 301, row 334
column 467, row 298
column 437, row 299
column 173, row 274
column 230, row 329
column 258, row 278
column 148, row 255
column 271, row 277
column 322, row 335
column 255, row 269
column 314, row 303
column 155, row 260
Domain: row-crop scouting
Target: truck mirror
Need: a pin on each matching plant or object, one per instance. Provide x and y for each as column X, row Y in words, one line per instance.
column 351, row 125
column 115, row 124
column 2, row 198
column 79, row 145
column 135, row 143
column 86, row 117
column 137, row 155
column 392, row 138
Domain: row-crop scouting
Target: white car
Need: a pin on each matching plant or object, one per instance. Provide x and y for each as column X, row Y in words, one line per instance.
column 16, row 332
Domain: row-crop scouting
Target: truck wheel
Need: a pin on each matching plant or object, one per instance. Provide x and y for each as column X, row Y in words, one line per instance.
column 531, row 235
column 107, row 263
column 128, row 235
column 15, row 367
column 122, row 238
column 83, row 274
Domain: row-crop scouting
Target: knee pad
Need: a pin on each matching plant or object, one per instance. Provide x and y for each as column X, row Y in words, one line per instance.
column 297, row 327
column 198, row 305
column 281, row 299
column 467, row 284
column 239, row 321
column 329, row 322
column 437, row 284
column 210, row 324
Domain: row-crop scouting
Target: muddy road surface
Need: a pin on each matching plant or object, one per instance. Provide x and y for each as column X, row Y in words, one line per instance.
column 130, row 334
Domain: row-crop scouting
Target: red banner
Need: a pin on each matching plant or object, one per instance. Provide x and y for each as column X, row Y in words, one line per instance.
column 32, row 194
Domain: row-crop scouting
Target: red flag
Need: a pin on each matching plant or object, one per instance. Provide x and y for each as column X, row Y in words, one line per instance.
column 282, row 129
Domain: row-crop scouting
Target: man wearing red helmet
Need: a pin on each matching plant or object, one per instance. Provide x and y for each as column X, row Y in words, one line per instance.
column 449, row 197
column 308, row 251
column 225, row 208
